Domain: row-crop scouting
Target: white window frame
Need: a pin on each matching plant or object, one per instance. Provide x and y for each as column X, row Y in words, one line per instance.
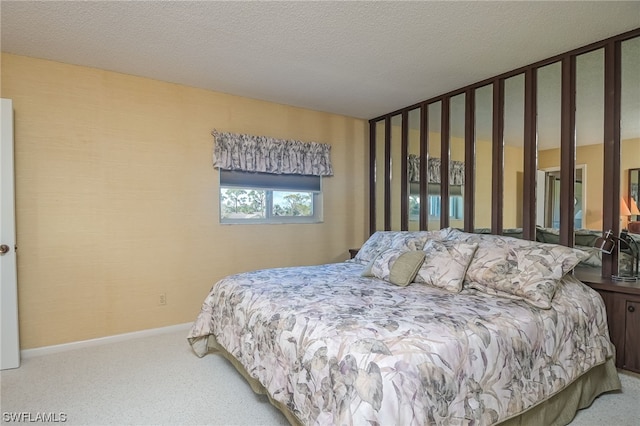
column 271, row 183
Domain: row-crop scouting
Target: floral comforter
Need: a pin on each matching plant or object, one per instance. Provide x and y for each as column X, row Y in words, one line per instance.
column 338, row 348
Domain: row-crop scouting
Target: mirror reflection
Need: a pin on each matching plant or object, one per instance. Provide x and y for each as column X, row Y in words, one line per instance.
column 549, row 92
column 433, row 164
column 589, row 154
column 456, row 163
column 413, row 168
column 630, row 149
column 513, row 179
column 634, row 199
column 483, row 158
column 589, row 142
column 379, row 175
column 396, row 171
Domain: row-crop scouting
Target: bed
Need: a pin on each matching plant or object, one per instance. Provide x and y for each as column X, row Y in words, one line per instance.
column 439, row 327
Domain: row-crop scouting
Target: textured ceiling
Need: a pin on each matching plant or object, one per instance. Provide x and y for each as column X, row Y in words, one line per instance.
column 360, row 59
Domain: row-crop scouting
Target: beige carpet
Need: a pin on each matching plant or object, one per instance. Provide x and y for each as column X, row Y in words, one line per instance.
column 157, row 380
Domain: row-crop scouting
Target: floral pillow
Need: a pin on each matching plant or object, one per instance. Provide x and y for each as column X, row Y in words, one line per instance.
column 488, row 240
column 516, row 268
column 376, row 243
column 526, row 273
column 398, row 266
column 382, row 240
column 445, row 264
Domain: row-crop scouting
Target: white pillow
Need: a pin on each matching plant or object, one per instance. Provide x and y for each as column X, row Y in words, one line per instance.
column 445, row 264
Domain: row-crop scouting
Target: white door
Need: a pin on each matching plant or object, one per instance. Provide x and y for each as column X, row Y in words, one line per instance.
column 9, row 339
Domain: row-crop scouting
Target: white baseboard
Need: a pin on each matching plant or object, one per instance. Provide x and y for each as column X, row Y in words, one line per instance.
column 46, row 350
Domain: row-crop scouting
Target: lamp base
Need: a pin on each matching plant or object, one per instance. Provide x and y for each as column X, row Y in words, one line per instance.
column 624, row 278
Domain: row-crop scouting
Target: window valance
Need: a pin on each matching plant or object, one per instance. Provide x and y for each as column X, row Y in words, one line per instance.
column 456, row 170
column 249, row 153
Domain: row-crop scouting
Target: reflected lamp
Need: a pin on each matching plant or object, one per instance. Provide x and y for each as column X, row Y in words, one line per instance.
column 634, row 207
column 626, row 244
column 634, row 226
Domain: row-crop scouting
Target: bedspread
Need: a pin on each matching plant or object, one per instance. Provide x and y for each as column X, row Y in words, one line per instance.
column 338, row 348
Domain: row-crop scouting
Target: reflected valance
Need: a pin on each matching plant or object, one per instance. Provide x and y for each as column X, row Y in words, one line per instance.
column 456, row 170
column 249, row 153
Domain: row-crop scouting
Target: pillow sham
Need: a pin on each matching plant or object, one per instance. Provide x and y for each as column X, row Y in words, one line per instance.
column 396, row 266
column 408, row 240
column 376, row 243
column 526, row 273
column 382, row 240
column 445, row 264
column 518, row 269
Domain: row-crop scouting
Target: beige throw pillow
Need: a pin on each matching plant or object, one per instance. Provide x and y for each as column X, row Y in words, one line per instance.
column 396, row 266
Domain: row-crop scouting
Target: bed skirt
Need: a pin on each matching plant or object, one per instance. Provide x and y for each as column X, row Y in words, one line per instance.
column 560, row 409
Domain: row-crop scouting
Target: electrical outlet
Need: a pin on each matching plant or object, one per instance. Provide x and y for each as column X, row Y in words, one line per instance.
column 163, row 299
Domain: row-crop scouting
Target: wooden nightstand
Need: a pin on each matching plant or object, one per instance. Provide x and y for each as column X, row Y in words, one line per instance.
column 622, row 301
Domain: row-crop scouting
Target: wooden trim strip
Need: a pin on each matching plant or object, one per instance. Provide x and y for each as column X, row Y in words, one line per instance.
column 424, row 158
column 567, row 149
column 612, row 116
column 387, row 173
column 469, row 159
column 530, row 155
column 444, row 161
column 404, row 175
column 372, row 176
column 497, row 166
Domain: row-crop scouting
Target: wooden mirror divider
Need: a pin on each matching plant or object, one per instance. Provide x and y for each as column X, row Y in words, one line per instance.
column 611, row 139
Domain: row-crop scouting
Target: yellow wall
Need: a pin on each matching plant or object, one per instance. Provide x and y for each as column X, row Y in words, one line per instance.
column 117, row 199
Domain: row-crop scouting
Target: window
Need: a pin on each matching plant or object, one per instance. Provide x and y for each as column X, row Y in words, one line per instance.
column 269, row 198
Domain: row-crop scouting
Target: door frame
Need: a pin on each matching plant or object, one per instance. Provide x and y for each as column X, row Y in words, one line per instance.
column 542, row 188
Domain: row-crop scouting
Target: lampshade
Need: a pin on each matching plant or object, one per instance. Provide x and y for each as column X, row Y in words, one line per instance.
column 634, row 207
column 624, row 209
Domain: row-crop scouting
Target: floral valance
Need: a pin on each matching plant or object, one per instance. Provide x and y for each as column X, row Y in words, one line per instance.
column 456, row 170
column 249, row 153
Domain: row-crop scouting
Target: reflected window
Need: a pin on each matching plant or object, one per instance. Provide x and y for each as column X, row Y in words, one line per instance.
column 414, row 208
column 456, row 207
